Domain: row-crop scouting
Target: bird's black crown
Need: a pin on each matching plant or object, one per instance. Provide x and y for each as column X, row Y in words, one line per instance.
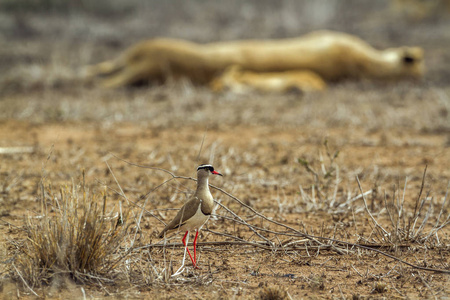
column 207, row 167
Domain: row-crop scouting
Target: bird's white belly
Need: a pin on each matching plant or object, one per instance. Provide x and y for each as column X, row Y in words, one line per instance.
column 196, row 221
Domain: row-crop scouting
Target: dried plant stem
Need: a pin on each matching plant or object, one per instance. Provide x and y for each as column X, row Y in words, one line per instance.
column 24, row 281
column 367, row 208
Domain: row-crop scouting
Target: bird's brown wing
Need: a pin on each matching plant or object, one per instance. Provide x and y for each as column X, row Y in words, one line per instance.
column 186, row 212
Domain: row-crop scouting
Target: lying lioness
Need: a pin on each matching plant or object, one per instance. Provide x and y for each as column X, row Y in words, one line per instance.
column 331, row 55
column 238, row 81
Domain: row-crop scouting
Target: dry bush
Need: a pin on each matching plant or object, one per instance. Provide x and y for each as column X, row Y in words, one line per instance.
column 326, row 191
column 323, row 178
column 421, row 225
column 73, row 236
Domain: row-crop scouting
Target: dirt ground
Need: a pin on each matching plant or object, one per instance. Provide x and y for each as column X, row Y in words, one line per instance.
column 54, row 127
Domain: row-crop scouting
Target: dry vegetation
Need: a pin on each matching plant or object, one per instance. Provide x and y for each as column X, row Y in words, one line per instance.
column 342, row 194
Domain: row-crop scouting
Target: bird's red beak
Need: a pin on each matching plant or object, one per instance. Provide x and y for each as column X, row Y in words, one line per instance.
column 216, row 173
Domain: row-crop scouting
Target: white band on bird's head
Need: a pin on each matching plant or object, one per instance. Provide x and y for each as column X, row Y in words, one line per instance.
column 207, row 167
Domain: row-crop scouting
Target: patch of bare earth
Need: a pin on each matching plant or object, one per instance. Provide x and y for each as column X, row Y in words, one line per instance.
column 261, row 168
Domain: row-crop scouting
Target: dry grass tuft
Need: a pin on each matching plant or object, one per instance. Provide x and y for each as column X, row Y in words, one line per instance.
column 316, row 282
column 420, row 226
column 379, row 288
column 326, row 189
column 324, row 177
column 72, row 237
column 272, row 293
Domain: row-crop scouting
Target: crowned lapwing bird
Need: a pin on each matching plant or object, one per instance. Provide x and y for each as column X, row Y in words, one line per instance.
column 194, row 214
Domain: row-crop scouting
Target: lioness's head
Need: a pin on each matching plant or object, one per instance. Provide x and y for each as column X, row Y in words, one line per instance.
column 409, row 61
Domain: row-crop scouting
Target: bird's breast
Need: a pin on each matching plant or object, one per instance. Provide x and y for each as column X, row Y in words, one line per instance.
column 197, row 220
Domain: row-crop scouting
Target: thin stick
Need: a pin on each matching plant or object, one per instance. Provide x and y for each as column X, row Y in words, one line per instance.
column 416, row 214
column 243, row 222
column 239, row 242
column 367, row 208
column 117, row 182
column 20, row 275
column 201, row 145
column 355, row 198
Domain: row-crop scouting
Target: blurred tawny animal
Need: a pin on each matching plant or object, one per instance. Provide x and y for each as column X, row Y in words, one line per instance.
column 331, row 55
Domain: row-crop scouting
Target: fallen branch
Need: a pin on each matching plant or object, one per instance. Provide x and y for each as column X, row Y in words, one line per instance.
column 232, row 243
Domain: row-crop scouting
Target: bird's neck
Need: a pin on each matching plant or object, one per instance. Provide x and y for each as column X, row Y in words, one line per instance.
column 202, row 186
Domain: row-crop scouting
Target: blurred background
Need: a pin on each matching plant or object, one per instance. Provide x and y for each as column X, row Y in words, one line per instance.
column 46, row 42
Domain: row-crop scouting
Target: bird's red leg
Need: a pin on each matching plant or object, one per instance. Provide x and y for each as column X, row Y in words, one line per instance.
column 195, row 249
column 187, row 249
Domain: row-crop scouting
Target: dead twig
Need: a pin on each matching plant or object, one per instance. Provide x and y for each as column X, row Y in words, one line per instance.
column 240, row 242
column 24, row 281
column 367, row 209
